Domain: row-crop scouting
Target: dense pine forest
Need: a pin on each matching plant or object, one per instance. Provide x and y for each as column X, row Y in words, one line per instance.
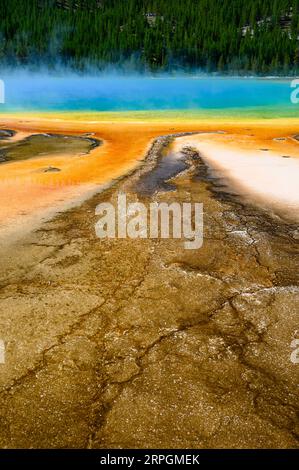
column 224, row 36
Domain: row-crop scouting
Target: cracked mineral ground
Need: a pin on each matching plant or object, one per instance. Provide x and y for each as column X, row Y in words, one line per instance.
column 143, row 344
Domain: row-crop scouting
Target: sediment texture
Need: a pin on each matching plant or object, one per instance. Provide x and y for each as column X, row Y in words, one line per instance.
column 141, row 343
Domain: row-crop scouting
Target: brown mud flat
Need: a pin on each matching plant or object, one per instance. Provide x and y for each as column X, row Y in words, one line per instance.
column 38, row 145
column 143, row 344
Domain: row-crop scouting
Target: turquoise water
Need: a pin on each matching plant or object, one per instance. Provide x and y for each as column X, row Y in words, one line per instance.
column 26, row 92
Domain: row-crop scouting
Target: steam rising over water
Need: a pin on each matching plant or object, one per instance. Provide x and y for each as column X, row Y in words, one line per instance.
column 26, row 92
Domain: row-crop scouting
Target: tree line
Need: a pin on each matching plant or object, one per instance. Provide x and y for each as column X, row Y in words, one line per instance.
column 225, row 36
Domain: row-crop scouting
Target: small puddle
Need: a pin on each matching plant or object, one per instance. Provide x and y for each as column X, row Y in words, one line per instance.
column 168, row 166
column 6, row 134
